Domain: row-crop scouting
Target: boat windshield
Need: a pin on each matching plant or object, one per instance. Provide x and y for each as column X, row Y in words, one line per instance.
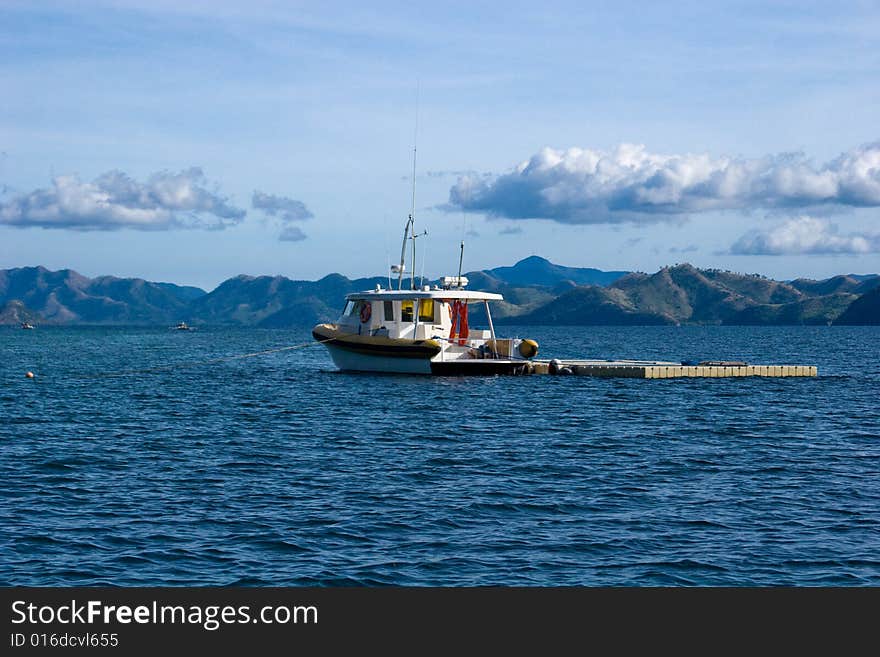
column 406, row 311
column 426, row 310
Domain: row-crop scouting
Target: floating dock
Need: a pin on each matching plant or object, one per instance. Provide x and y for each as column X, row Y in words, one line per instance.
column 638, row 369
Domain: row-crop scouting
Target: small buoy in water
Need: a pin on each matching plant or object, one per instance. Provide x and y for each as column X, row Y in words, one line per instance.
column 29, row 375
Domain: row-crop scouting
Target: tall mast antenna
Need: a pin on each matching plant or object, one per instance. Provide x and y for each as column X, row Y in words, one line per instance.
column 412, row 209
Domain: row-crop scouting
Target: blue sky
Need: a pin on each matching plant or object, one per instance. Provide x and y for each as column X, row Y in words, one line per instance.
column 193, row 141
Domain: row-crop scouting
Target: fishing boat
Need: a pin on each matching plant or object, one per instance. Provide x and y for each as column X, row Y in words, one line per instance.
column 27, row 326
column 182, row 326
column 421, row 330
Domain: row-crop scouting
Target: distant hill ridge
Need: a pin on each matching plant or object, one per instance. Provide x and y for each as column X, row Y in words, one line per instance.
column 66, row 296
column 684, row 294
column 536, row 270
column 536, row 291
column 864, row 310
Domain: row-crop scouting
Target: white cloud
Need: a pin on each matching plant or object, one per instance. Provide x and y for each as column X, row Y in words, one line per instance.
column 286, row 210
column 630, row 184
column 804, row 235
column 114, row 200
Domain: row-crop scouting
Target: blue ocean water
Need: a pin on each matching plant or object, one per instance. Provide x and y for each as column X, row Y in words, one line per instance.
column 277, row 470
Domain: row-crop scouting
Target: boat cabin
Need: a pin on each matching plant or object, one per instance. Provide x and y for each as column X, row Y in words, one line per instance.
column 429, row 313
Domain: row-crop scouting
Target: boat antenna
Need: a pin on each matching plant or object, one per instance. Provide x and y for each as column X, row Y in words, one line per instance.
column 422, row 275
column 412, row 284
column 412, row 208
column 412, row 231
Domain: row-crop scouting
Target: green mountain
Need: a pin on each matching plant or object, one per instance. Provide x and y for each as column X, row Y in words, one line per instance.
column 814, row 310
column 834, row 285
column 863, row 311
column 685, row 294
column 586, row 306
column 65, row 296
column 537, row 271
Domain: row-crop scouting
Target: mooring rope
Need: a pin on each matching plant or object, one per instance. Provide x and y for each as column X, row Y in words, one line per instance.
column 197, row 363
column 211, row 361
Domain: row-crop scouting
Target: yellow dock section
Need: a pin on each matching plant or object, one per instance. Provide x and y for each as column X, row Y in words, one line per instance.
column 664, row 370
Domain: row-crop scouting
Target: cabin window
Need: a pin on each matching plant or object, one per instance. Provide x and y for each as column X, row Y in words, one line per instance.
column 426, row 310
column 349, row 308
column 406, row 311
column 389, row 311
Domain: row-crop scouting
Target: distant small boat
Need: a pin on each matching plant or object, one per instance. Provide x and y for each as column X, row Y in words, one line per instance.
column 27, row 326
column 182, row 326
